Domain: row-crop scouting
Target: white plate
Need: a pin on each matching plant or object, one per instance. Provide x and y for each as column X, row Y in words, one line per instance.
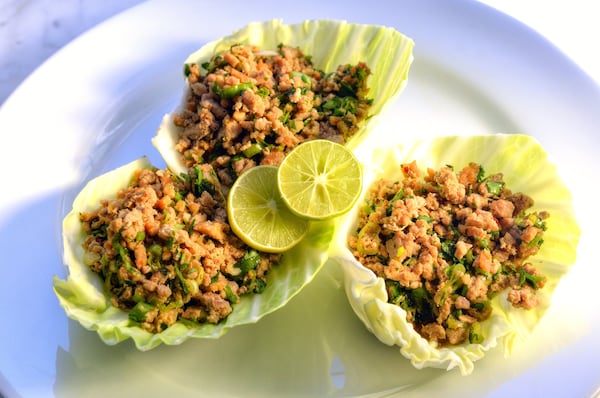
column 96, row 104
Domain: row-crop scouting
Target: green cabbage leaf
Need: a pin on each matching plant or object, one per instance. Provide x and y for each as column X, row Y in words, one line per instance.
column 84, row 299
column 527, row 169
column 387, row 52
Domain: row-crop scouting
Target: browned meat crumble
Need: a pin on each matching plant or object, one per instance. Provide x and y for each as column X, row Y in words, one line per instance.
column 165, row 251
column 446, row 243
column 252, row 107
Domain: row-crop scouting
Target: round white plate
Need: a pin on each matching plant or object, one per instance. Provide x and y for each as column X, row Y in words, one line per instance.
column 96, row 104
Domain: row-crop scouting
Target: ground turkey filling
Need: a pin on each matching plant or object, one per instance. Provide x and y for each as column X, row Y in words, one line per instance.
column 163, row 246
column 446, row 242
column 165, row 251
column 252, row 107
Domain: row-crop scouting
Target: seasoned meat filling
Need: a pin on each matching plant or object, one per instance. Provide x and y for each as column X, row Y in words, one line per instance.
column 163, row 247
column 252, row 107
column 165, row 252
column 446, row 243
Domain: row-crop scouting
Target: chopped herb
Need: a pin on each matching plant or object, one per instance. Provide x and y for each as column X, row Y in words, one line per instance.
column 285, row 117
column 214, row 63
column 475, row 334
column 186, row 70
column 249, row 261
column 448, row 249
column 181, row 279
column 190, row 228
column 480, row 174
column 425, row 217
column 123, row 253
column 339, row 106
column 100, row 232
column 200, row 183
column 263, row 92
column 397, row 196
column 231, row 296
column 525, row 277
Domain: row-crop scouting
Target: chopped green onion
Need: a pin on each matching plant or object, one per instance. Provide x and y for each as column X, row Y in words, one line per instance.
column 260, row 286
column 285, row 117
column 155, row 250
column 253, row 149
column 213, row 64
column 140, row 236
column 140, row 312
column 231, row 91
column 448, row 248
column 190, row 228
column 494, row 187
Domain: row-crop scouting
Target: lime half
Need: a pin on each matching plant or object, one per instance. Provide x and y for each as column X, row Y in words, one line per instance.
column 320, row 179
column 258, row 215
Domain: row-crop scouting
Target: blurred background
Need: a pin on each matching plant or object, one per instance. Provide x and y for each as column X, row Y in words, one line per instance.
column 33, row 30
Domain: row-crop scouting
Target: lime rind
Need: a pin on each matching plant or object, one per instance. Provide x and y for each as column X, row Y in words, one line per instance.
column 258, row 215
column 527, row 169
column 387, row 52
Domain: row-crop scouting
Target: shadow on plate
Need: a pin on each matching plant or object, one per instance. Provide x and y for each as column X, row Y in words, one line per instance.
column 315, row 346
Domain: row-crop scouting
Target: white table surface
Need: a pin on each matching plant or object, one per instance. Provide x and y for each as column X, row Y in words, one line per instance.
column 31, row 31
column 573, row 26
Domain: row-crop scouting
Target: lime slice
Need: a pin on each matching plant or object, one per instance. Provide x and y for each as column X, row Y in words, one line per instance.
column 320, row 179
column 258, row 215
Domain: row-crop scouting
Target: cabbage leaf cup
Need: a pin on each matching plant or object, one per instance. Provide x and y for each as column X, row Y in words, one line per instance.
column 387, row 52
column 526, row 169
column 84, row 299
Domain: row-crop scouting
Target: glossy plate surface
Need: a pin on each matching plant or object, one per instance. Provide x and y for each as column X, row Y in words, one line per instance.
column 96, row 104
